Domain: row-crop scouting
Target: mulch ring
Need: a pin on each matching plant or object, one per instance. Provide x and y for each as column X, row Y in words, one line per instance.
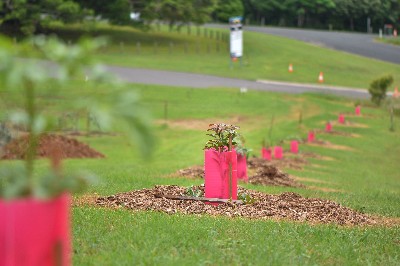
column 195, row 171
column 262, row 172
column 48, row 145
column 286, row 206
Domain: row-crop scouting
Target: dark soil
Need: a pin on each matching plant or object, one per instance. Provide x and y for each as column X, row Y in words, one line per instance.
column 66, row 147
column 262, row 172
column 286, row 206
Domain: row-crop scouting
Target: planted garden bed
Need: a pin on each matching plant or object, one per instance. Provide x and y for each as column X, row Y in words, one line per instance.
column 286, row 206
column 260, row 171
column 264, row 173
column 68, row 147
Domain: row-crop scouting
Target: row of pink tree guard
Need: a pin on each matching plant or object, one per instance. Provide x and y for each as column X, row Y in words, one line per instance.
column 217, row 163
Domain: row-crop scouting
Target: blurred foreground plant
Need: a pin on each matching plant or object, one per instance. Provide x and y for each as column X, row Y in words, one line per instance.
column 63, row 63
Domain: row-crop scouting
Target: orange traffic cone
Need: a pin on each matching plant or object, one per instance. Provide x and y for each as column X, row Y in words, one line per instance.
column 396, row 93
column 321, row 77
column 290, row 68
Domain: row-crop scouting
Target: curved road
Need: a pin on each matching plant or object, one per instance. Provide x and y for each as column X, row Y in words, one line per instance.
column 171, row 78
column 356, row 43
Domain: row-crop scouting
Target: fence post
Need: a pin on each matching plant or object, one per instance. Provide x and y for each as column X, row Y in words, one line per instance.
column 138, row 47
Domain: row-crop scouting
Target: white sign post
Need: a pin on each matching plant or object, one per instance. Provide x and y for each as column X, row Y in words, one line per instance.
column 236, row 39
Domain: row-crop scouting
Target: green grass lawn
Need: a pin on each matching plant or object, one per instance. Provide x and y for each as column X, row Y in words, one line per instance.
column 265, row 56
column 368, row 178
column 391, row 40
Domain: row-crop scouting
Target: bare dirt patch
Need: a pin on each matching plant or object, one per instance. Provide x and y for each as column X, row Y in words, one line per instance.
column 350, row 124
column 67, row 147
column 313, row 180
column 329, row 145
column 325, row 189
column 362, row 115
column 315, row 156
column 85, row 200
column 286, row 206
column 338, row 133
column 200, row 124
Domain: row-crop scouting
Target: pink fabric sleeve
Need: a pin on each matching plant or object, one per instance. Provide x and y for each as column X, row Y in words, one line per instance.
column 34, row 232
column 216, row 168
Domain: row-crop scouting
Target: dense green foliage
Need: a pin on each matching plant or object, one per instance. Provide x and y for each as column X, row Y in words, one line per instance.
column 378, row 88
column 116, row 11
column 27, row 78
column 336, row 14
column 28, row 16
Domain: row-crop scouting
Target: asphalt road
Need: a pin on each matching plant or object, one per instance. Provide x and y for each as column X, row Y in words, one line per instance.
column 356, row 43
column 171, row 78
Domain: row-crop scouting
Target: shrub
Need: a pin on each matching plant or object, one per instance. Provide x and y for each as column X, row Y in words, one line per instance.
column 378, row 88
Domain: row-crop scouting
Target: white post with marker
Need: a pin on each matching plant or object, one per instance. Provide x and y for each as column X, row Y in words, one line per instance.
column 236, row 39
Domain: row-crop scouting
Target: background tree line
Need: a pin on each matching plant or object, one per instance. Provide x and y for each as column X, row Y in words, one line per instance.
column 30, row 16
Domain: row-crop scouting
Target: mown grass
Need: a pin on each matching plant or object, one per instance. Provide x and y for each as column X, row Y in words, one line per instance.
column 391, row 40
column 367, row 177
column 265, row 56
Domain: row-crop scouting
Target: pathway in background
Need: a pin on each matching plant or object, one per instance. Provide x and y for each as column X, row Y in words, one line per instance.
column 171, row 78
column 355, row 43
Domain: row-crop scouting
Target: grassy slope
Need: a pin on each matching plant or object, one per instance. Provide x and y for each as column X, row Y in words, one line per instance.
column 368, row 177
column 391, row 40
column 266, row 57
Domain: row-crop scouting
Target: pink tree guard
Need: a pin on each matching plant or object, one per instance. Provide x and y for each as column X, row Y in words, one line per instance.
column 266, row 154
column 242, row 168
column 34, row 232
column 278, row 152
column 294, row 146
column 216, row 168
column 328, row 127
column 311, row 136
column 341, row 119
column 358, row 110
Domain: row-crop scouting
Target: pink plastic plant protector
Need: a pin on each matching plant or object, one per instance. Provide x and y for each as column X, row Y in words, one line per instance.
column 35, row 232
column 358, row 110
column 341, row 119
column 294, row 146
column 278, row 152
column 266, row 154
column 311, row 136
column 216, row 172
column 328, row 127
column 242, row 168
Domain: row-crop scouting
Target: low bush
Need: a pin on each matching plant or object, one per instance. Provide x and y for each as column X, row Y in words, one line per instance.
column 378, row 87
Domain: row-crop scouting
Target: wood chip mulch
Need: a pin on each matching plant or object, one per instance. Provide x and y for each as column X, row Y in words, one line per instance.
column 67, row 147
column 262, row 172
column 286, row 206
